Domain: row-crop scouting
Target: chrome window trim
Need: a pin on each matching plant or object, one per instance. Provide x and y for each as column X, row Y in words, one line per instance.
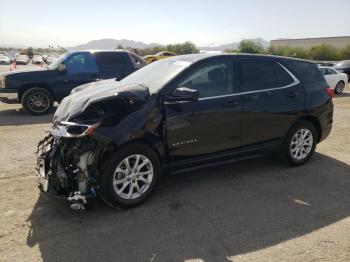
column 296, row 82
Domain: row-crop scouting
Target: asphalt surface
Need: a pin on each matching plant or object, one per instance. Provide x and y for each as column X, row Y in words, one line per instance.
column 254, row 210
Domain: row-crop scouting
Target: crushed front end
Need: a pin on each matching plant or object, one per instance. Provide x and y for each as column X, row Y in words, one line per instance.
column 66, row 163
column 87, row 124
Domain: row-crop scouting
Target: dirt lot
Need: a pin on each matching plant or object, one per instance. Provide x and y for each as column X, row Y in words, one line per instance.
column 256, row 210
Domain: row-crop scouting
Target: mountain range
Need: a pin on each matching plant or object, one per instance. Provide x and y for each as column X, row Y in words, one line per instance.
column 111, row 44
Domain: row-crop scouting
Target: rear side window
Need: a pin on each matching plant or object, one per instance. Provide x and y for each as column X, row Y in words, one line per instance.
column 306, row 72
column 258, row 75
column 111, row 62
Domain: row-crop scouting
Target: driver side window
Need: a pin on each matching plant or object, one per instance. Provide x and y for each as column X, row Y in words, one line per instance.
column 80, row 63
column 212, row 79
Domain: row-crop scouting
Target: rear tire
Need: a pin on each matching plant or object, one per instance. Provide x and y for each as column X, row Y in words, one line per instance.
column 129, row 176
column 299, row 143
column 37, row 101
column 339, row 88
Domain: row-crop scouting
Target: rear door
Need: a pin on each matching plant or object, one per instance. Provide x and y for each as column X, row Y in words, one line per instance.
column 113, row 64
column 271, row 99
column 212, row 123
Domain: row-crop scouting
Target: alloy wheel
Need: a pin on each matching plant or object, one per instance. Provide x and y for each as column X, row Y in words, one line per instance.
column 133, row 176
column 301, row 144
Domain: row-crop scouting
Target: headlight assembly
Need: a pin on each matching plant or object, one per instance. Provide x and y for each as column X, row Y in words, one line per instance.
column 73, row 130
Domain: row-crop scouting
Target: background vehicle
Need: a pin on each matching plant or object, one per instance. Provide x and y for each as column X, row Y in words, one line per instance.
column 335, row 79
column 22, row 60
column 152, row 58
column 344, row 67
column 326, row 63
column 44, row 58
column 37, row 59
column 200, row 110
column 50, row 59
column 5, row 60
column 38, row 89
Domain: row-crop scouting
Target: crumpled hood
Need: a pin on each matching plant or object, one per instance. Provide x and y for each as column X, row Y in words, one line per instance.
column 86, row 95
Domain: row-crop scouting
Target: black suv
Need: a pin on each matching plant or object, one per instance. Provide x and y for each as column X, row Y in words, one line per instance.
column 115, row 139
column 38, row 89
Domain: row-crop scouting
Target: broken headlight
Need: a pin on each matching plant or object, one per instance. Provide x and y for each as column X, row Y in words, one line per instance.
column 73, row 130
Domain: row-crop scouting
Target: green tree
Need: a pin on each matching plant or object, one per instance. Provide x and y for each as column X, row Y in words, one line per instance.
column 247, row 46
column 30, row 52
column 324, row 53
column 288, row 51
column 179, row 49
column 119, row 46
column 182, row 48
column 344, row 53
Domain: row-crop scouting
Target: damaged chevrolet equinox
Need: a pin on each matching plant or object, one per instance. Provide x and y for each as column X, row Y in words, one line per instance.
column 115, row 138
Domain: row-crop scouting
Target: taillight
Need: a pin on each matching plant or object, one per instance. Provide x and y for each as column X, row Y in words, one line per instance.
column 330, row 92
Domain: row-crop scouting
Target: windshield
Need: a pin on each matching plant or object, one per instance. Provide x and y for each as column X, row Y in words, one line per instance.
column 157, row 74
column 58, row 61
column 344, row 63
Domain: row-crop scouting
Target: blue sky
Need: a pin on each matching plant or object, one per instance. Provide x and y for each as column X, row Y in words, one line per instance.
column 67, row 23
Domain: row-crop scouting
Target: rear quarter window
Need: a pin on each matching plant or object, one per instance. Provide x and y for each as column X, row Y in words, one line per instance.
column 306, row 72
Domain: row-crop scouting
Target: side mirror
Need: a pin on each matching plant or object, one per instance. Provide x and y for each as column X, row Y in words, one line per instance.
column 183, row 94
column 62, row 68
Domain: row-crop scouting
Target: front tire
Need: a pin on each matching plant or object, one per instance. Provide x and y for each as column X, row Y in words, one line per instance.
column 130, row 176
column 339, row 88
column 37, row 101
column 300, row 143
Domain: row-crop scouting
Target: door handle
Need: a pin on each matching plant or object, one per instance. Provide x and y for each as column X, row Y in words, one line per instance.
column 231, row 104
column 292, row 94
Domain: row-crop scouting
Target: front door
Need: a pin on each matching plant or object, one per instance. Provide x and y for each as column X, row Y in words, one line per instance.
column 212, row 123
column 80, row 69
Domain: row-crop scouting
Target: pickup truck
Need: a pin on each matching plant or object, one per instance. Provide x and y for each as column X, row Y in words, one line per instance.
column 37, row 90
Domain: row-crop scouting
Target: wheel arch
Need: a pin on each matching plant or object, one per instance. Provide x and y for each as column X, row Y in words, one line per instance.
column 312, row 119
column 152, row 142
column 22, row 89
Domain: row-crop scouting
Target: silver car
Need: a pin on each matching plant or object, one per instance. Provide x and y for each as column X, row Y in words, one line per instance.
column 37, row 59
column 5, row 60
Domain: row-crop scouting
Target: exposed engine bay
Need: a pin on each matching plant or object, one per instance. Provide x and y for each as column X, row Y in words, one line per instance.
column 66, row 166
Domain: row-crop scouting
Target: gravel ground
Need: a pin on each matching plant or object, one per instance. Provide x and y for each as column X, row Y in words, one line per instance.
column 255, row 210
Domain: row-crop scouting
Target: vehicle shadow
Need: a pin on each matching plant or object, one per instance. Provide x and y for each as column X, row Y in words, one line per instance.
column 18, row 116
column 208, row 214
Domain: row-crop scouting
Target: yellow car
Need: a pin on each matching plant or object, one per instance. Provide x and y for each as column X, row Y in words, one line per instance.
column 164, row 54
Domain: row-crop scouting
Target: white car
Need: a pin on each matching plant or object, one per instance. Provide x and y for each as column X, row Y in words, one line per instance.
column 5, row 60
column 37, row 59
column 335, row 79
column 22, row 59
